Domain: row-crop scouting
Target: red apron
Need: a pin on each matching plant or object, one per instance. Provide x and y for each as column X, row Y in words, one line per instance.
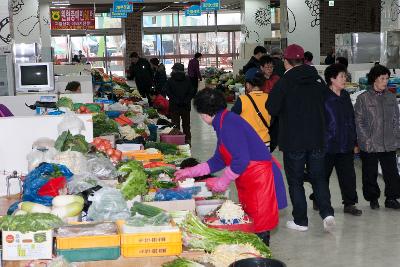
column 256, row 190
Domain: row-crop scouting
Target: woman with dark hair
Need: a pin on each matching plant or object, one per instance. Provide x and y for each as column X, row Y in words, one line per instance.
column 345, row 63
column 378, row 132
column 194, row 70
column 246, row 160
column 251, row 106
column 73, row 87
column 341, row 136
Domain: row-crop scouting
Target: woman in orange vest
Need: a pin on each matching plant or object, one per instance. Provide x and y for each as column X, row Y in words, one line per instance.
column 251, row 106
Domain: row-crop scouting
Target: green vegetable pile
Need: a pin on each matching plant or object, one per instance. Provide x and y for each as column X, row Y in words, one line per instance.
column 174, row 159
column 163, row 147
column 152, row 113
column 198, row 235
column 65, row 102
column 136, row 181
column 30, row 222
column 145, row 210
column 182, row 262
column 67, row 141
column 102, row 125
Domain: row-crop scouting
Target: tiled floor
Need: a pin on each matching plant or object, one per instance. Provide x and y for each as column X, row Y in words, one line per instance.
column 372, row 240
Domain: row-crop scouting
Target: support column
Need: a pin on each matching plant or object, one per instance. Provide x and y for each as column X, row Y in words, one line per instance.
column 45, row 32
column 303, row 25
column 5, row 22
column 26, row 25
column 390, row 15
column 133, row 28
column 256, row 25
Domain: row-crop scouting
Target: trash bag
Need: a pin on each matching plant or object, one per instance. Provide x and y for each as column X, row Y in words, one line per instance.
column 37, row 178
column 108, row 204
column 102, row 168
column 176, row 194
column 71, row 123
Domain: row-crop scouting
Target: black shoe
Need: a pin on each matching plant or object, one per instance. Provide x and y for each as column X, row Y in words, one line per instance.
column 351, row 209
column 392, row 204
column 374, row 204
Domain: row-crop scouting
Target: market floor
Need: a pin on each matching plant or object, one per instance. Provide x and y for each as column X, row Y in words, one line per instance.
column 372, row 239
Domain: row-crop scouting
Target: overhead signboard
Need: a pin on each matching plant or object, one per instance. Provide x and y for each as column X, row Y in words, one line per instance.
column 121, row 15
column 210, row 5
column 122, row 6
column 192, row 11
column 72, row 19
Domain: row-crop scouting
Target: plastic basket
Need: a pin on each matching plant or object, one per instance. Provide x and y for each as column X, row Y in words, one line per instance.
column 81, row 242
column 167, row 249
column 173, row 139
column 90, row 254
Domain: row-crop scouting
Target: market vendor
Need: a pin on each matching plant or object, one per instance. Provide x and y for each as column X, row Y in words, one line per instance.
column 247, row 161
column 73, row 87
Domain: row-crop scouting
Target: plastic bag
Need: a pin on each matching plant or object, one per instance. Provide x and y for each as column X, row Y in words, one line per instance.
column 73, row 160
column 90, row 229
column 43, row 143
column 138, row 220
column 72, row 123
column 108, row 204
column 39, row 177
column 36, row 156
column 102, row 168
column 176, row 194
column 138, row 118
column 82, row 182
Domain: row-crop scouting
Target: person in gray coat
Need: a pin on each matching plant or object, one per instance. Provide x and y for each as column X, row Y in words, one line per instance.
column 378, row 135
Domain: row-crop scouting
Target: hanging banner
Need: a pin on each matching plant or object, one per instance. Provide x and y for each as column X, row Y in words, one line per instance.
column 122, row 7
column 193, row 11
column 210, row 5
column 72, row 19
column 118, row 15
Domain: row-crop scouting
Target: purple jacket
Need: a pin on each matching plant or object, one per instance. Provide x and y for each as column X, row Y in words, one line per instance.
column 194, row 68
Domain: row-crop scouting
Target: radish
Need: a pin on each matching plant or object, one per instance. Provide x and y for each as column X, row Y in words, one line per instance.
column 64, row 200
column 33, row 207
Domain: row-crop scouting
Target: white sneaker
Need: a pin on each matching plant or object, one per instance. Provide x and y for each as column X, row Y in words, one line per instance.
column 292, row 225
column 329, row 224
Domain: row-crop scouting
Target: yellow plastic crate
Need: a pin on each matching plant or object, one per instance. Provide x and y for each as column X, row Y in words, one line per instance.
column 167, row 249
column 148, row 238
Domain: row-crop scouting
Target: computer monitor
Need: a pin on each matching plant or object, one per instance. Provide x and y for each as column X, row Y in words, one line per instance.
column 34, row 77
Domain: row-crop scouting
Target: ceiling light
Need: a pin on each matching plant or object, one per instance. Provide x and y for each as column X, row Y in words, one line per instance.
column 60, row 3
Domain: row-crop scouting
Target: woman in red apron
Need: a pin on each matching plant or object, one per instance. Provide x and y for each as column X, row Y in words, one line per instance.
column 246, row 160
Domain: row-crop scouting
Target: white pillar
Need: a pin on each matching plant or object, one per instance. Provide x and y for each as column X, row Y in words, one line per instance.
column 303, row 25
column 45, row 31
column 5, row 35
column 26, row 26
column 390, row 15
column 256, row 25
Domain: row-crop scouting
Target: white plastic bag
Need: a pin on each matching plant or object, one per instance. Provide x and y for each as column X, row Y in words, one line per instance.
column 108, row 204
column 73, row 160
column 102, row 168
column 36, row 156
column 82, row 182
column 71, row 123
column 43, row 142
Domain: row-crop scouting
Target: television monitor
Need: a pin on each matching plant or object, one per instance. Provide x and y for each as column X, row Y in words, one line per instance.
column 34, row 77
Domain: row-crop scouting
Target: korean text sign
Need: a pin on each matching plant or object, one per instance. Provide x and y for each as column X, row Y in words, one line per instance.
column 73, row 19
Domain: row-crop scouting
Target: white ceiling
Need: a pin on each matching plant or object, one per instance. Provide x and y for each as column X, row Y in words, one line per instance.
column 86, row 2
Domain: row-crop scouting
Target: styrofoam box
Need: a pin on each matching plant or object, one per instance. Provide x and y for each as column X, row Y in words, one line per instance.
column 28, row 246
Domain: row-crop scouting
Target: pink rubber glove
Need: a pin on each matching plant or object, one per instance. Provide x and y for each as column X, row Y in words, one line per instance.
column 222, row 183
column 196, row 171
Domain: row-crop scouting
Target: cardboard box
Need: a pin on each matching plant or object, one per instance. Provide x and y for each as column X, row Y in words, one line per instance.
column 174, row 205
column 29, row 246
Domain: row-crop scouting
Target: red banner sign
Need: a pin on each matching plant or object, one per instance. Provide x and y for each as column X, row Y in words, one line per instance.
column 72, row 19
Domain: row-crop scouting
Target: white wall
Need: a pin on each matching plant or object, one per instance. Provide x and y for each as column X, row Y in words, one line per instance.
column 5, row 37
column 45, row 31
column 26, row 22
column 303, row 28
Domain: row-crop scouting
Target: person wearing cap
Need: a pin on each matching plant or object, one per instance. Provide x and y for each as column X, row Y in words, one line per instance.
column 254, row 61
column 279, row 67
column 140, row 71
column 251, row 106
column 159, row 75
column 298, row 101
column 180, row 92
column 194, row 70
column 267, row 68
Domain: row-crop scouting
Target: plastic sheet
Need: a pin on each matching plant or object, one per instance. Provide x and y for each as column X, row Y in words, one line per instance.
column 102, row 168
column 91, row 229
column 82, row 182
column 161, row 219
column 71, row 123
column 43, row 143
column 176, row 194
column 108, row 204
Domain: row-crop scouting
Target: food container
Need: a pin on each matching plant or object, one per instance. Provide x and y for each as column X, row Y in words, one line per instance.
column 173, row 139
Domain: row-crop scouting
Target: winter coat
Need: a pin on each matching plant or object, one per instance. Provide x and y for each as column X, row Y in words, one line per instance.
column 180, row 91
column 377, row 122
column 253, row 63
column 298, row 100
column 279, row 67
column 142, row 74
column 340, row 125
column 160, row 79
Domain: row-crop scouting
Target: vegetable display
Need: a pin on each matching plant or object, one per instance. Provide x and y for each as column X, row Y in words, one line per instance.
column 67, row 141
column 230, row 213
column 136, row 181
column 225, row 255
column 102, row 125
column 198, row 235
column 104, row 145
column 182, row 262
column 145, row 210
column 65, row 102
column 163, row 147
column 31, row 222
column 152, row 113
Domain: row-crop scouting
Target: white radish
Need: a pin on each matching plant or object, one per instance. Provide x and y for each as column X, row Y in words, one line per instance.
column 31, row 207
column 70, row 210
column 64, row 200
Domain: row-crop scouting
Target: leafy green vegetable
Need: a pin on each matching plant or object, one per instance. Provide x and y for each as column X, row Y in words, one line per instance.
column 174, row 159
column 30, row 222
column 102, row 125
column 163, row 147
column 198, row 235
column 136, row 182
column 145, row 210
column 65, row 102
column 152, row 113
column 154, row 172
column 67, row 141
column 130, row 166
column 163, row 184
column 182, row 262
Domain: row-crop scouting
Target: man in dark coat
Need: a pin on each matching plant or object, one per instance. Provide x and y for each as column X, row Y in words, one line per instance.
column 140, row 71
column 254, row 61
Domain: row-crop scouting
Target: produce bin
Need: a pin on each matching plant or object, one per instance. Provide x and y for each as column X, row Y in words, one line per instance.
column 83, row 242
column 173, row 139
column 90, row 254
column 166, row 249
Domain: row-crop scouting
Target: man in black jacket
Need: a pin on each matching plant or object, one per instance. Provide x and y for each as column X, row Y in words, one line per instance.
column 180, row 92
column 140, row 71
column 254, row 61
column 298, row 101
